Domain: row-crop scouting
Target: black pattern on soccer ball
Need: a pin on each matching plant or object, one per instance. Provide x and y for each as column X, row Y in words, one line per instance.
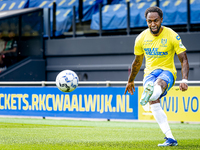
column 65, row 85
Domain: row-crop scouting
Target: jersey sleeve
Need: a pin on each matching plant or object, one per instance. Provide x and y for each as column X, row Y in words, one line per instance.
column 178, row 46
column 138, row 50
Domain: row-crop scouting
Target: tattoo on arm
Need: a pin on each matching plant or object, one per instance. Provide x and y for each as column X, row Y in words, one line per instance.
column 137, row 63
column 184, row 65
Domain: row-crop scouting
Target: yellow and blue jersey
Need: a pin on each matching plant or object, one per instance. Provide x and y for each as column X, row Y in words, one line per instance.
column 159, row 50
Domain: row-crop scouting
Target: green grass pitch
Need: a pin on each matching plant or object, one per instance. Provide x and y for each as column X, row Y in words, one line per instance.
column 50, row 134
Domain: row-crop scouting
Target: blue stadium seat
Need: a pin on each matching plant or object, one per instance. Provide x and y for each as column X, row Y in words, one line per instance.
column 13, row 5
column 115, row 16
column 42, row 4
column 89, row 8
column 63, row 21
column 175, row 12
column 63, row 13
column 195, row 12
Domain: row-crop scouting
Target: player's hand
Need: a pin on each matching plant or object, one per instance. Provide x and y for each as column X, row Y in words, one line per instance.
column 183, row 86
column 130, row 88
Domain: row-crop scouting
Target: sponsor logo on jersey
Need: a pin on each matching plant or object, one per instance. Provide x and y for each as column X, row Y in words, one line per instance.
column 153, row 52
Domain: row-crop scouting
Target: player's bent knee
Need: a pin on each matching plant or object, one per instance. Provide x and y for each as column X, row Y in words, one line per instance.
column 156, row 92
column 154, row 102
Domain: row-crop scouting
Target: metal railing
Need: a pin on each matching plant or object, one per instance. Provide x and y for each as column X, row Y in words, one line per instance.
column 81, row 83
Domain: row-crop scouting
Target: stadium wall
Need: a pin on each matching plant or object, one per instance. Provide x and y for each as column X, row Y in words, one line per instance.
column 108, row 58
column 29, row 69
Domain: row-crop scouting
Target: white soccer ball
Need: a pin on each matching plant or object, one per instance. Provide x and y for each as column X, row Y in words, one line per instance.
column 67, row 81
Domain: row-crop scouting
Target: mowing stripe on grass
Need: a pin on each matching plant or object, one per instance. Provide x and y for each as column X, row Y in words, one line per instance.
column 27, row 133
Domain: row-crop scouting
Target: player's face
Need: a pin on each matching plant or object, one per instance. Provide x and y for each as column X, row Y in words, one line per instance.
column 154, row 22
column 11, row 34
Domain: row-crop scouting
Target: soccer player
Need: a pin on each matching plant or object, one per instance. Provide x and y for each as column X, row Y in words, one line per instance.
column 158, row 44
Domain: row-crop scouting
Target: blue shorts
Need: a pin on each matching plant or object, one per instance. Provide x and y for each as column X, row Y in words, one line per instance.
column 165, row 75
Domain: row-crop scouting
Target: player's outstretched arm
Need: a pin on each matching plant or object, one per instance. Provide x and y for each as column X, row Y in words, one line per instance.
column 137, row 63
column 184, row 70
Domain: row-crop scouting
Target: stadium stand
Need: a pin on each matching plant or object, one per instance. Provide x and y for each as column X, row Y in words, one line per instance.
column 64, row 11
column 175, row 13
column 114, row 13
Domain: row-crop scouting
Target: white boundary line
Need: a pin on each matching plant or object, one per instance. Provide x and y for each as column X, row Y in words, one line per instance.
column 92, row 119
column 107, row 83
